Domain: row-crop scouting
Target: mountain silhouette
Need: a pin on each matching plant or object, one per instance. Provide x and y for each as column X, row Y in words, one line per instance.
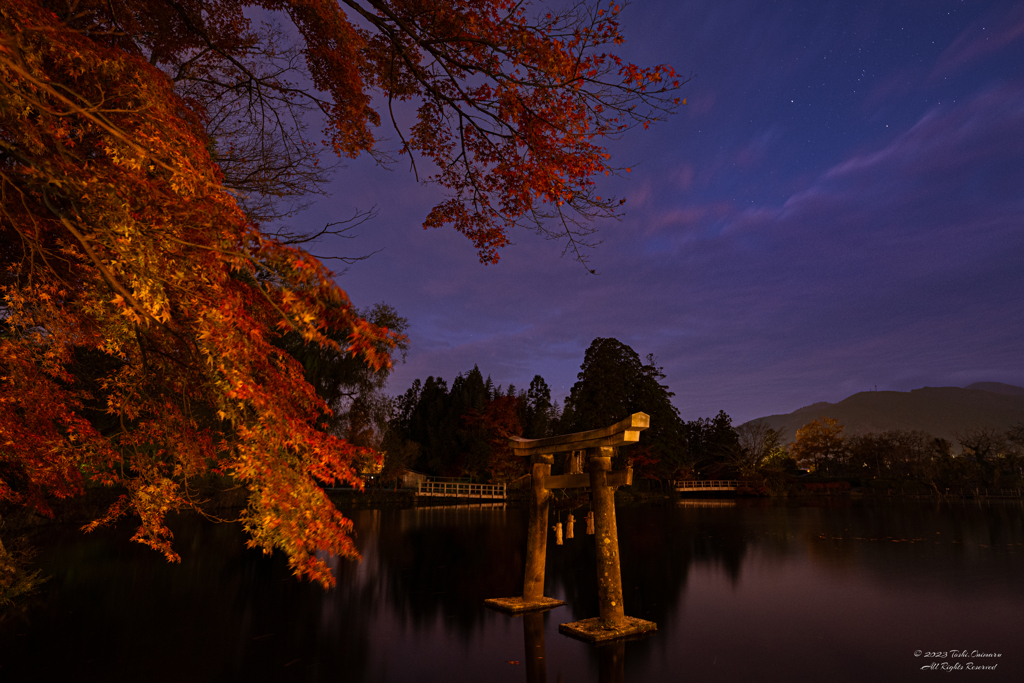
column 940, row 411
column 997, row 388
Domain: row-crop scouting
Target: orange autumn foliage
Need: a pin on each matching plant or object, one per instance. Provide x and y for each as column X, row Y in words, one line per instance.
column 142, row 305
column 819, row 444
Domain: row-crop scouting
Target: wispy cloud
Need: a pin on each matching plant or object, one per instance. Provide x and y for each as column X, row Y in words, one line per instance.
column 767, row 259
column 988, row 35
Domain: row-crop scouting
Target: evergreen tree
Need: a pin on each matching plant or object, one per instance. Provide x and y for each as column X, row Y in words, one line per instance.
column 613, row 384
column 537, row 409
column 453, row 430
column 713, row 447
column 471, row 449
column 429, row 426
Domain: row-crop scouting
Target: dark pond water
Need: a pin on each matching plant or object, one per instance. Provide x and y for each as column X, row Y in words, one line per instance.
column 839, row 591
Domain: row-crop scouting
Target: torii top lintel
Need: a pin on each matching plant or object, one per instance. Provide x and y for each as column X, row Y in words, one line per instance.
column 621, row 433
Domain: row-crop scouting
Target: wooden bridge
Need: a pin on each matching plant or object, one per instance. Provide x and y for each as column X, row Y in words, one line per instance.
column 459, row 488
column 700, row 485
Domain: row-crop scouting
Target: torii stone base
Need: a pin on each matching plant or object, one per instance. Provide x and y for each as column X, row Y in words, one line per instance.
column 520, row 605
column 596, row 630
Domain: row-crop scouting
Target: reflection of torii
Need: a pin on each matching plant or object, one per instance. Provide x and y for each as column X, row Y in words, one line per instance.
column 598, row 444
column 611, row 657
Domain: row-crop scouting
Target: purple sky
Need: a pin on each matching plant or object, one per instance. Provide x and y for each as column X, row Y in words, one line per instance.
column 838, row 206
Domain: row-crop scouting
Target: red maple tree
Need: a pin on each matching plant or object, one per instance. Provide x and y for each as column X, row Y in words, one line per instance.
column 499, row 420
column 142, row 302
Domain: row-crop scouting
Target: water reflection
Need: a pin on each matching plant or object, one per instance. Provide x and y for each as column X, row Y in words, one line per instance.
column 611, row 656
column 535, row 656
column 834, row 589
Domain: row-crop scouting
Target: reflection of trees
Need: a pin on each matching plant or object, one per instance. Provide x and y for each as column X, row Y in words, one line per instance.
column 438, row 565
column 119, row 612
column 658, row 546
column 930, row 542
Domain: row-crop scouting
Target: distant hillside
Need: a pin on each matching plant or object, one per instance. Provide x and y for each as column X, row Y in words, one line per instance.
column 940, row 411
column 997, row 388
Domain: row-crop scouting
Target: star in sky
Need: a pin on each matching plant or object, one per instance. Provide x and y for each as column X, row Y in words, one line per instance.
column 839, row 205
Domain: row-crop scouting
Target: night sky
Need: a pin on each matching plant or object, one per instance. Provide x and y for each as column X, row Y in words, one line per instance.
column 837, row 208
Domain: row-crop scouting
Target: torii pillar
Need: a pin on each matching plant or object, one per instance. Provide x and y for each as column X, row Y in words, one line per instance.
column 536, row 544
column 599, row 444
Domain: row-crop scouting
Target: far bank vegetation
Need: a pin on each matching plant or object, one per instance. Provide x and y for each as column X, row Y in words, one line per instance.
column 461, row 430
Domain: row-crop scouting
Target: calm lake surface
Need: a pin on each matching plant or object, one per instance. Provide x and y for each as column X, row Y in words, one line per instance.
column 830, row 590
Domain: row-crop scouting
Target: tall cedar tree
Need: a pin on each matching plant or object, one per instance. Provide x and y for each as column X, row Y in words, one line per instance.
column 613, row 384
column 136, row 139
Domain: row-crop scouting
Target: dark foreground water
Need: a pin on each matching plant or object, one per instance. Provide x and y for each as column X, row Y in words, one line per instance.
column 839, row 591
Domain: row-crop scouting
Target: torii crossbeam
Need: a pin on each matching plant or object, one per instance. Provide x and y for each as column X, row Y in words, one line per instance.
column 598, row 444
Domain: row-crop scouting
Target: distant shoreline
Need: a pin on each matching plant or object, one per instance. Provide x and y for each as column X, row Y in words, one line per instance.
column 94, row 502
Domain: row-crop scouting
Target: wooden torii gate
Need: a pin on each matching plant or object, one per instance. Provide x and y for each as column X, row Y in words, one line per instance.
column 598, row 445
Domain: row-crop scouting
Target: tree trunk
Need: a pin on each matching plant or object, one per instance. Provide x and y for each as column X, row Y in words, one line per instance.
column 7, row 568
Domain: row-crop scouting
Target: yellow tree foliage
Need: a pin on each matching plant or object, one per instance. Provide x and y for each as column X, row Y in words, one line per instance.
column 143, row 309
column 819, row 444
column 140, row 307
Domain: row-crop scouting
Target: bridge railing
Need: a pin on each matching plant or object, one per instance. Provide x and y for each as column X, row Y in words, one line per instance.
column 696, row 484
column 460, row 489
